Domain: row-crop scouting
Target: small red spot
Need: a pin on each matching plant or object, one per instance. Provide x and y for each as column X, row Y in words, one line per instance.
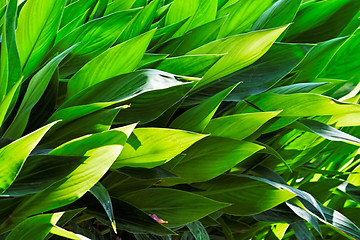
column 157, row 219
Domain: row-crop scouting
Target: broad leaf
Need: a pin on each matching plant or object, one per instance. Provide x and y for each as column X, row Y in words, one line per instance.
column 328, row 132
column 322, row 21
column 302, row 104
column 101, row 149
column 259, row 76
column 280, row 13
column 36, row 227
column 141, row 23
column 35, row 90
column 189, row 65
column 151, row 147
column 198, row 231
column 247, row 196
column 210, row 158
column 165, row 204
column 238, row 126
column 242, row 15
column 37, row 27
column 75, row 9
column 13, row 156
column 102, row 67
column 102, row 195
column 95, row 36
column 39, row 172
column 200, row 12
column 10, row 66
column 197, row 118
column 243, row 50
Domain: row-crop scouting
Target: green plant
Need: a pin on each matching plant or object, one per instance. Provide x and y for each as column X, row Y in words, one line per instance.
column 183, row 119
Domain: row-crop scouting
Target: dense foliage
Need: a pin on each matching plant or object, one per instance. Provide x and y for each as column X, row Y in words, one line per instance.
column 179, row 119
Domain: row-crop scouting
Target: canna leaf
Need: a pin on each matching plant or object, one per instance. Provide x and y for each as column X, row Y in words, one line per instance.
column 238, row 126
column 280, row 13
column 210, row 158
column 95, row 36
column 102, row 195
column 241, row 192
column 151, row 147
column 242, row 15
column 197, row 118
column 75, row 9
column 101, row 151
column 39, row 172
column 37, row 27
column 35, row 90
column 36, row 227
column 200, row 12
column 14, row 155
column 10, row 66
column 242, row 50
column 193, row 207
column 103, row 67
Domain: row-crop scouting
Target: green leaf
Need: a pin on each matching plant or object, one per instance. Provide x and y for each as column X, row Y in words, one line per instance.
column 67, row 234
column 322, row 21
column 345, row 62
column 340, row 222
column 95, row 36
column 13, row 156
column 189, row 65
column 10, row 66
column 119, row 5
column 165, row 204
column 102, row 67
column 102, row 195
column 328, row 132
column 150, row 59
column 309, row 202
column 39, row 172
column 37, row 27
column 317, row 59
column 193, row 38
column 354, row 178
column 151, row 147
column 198, row 231
column 200, row 12
column 127, row 217
column 150, row 93
column 242, row 15
column 242, row 50
column 6, row 103
column 302, row 231
column 197, row 118
column 68, row 28
column 36, row 227
column 92, row 123
column 280, row 13
column 76, row 9
column 301, row 104
column 210, row 158
column 269, row 69
column 297, row 88
column 238, row 126
column 141, row 23
column 164, row 34
column 100, row 9
column 70, row 114
column 101, row 149
column 35, row 90
column 146, row 173
column 247, row 196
